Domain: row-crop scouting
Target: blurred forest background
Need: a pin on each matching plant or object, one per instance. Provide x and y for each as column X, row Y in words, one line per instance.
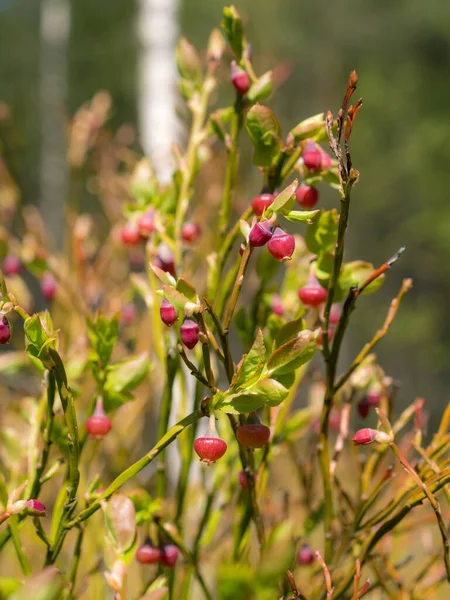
column 401, row 51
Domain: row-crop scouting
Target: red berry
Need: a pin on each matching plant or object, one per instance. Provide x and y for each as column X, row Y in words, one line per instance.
column 130, row 234
column 48, row 287
column 168, row 313
column 335, row 314
column 261, row 202
column 363, row 408
column 260, row 233
column 243, row 479
column 165, row 259
column 253, row 435
column 307, row 196
column 190, row 232
column 373, row 398
column 305, row 555
column 326, row 161
column 239, row 78
column 319, row 338
column 364, row 436
column 148, row 554
column 128, row 313
column 312, row 156
column 312, row 294
column 281, row 245
column 169, row 555
column 12, row 265
column 210, row 449
column 277, row 305
column 36, row 508
column 98, row 425
column 189, row 333
column 146, row 224
column 5, row 330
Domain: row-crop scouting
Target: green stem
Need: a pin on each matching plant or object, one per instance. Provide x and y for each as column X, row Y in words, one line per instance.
column 75, row 563
column 23, row 560
column 51, row 390
column 164, row 415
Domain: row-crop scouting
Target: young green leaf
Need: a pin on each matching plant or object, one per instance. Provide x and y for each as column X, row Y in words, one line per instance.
column 322, row 234
column 264, row 131
column 251, row 365
column 233, row 30
column 293, row 353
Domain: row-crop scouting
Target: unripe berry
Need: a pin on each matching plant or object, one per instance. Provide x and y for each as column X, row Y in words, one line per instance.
column 312, row 156
column 12, row 265
column 169, row 555
column 261, row 202
column 190, row 232
column 305, row 555
column 146, row 224
column 210, row 448
column 168, row 313
column 147, row 554
column 312, row 294
column 253, row 434
column 260, row 233
column 239, row 78
column 48, row 287
column 98, row 426
column 307, row 195
column 363, row 408
column 5, row 330
column 189, row 333
column 130, row 234
column 277, row 305
column 281, row 245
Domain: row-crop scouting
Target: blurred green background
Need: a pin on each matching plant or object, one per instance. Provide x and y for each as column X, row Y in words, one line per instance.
column 401, row 51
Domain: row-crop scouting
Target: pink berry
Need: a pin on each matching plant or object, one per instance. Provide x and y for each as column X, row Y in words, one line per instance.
column 48, row 287
column 189, row 332
column 281, row 245
column 128, row 314
column 364, row 436
column 260, row 233
column 373, row 398
column 307, row 196
column 5, row 331
column 261, row 202
column 165, row 259
column 312, row 294
column 277, row 305
column 12, row 265
column 169, row 555
column 130, row 234
column 239, row 78
column 243, row 479
column 312, row 156
column 98, row 426
column 36, row 508
column 305, row 555
column 146, row 224
column 168, row 313
column 210, row 448
column 326, row 161
column 190, row 232
column 147, row 554
column 335, row 314
column 363, row 408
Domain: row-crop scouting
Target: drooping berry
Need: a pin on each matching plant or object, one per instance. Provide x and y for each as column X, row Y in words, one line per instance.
column 48, row 286
column 363, row 407
column 261, row 202
column 130, row 234
column 253, row 434
column 305, row 555
column 98, row 425
column 326, row 160
column 312, row 156
column 146, row 224
column 239, row 78
column 307, row 195
column 260, row 233
column 11, row 265
column 169, row 555
column 189, row 332
column 147, row 554
column 36, row 508
column 312, row 294
column 168, row 313
column 276, row 305
column 166, row 260
column 128, row 313
column 190, row 232
column 210, row 448
column 281, row 245
column 5, row 330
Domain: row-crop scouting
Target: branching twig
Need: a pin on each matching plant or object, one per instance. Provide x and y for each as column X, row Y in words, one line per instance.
column 326, row 572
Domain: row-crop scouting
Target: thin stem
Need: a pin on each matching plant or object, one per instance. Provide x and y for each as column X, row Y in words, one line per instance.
column 236, row 288
column 192, row 368
column 51, row 390
column 23, row 560
column 164, row 416
column 40, row 532
column 75, row 563
column 206, row 353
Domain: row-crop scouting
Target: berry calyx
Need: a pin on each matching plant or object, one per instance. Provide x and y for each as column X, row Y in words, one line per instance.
column 48, row 287
column 168, row 313
column 5, row 330
column 147, row 554
column 190, row 232
column 312, row 294
column 305, row 555
column 169, row 555
column 307, row 195
column 189, row 332
column 281, row 245
column 11, row 265
column 98, row 425
column 239, row 78
column 210, row 448
column 261, row 202
column 260, row 233
column 130, row 234
column 146, row 224
column 253, row 434
column 312, row 156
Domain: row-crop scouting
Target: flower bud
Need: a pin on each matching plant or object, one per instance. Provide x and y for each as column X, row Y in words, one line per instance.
column 5, row 330
column 239, row 78
column 367, row 436
column 98, row 426
column 169, row 555
column 11, row 265
column 260, row 233
column 168, row 313
column 190, row 232
column 281, row 245
column 36, row 508
column 189, row 332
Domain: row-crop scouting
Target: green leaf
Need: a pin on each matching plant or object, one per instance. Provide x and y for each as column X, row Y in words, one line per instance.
column 354, row 274
column 321, row 236
column 301, row 216
column 261, row 89
column 251, row 365
column 9, row 585
column 272, row 391
column 293, row 353
column 313, row 127
column 266, row 267
column 178, row 299
column 126, row 375
column 288, row 332
column 103, row 334
column 233, row 30
column 283, row 199
column 188, row 61
column 323, row 268
column 120, row 520
column 187, row 289
column 264, row 131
